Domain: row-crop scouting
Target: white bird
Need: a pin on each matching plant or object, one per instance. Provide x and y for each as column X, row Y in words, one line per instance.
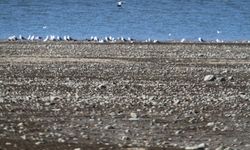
column 32, row 38
column 28, row 38
column 155, row 41
column 21, row 37
column 95, row 38
column 12, row 38
column 183, row 40
column 38, row 38
column 119, row 4
column 201, row 40
column 46, row 39
column 52, row 38
column 65, row 38
column 58, row 38
column 69, row 38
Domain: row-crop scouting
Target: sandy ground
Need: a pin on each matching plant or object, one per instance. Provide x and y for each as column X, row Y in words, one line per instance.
column 79, row 96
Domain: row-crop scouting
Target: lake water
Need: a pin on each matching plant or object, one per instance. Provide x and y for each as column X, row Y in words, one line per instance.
column 139, row 19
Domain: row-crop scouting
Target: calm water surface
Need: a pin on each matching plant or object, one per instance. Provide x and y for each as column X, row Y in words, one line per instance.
column 140, row 19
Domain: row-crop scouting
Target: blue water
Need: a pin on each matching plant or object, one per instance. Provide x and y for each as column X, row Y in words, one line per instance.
column 139, row 19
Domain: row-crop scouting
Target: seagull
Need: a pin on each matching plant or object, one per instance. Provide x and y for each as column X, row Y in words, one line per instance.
column 58, row 38
column 21, row 37
column 119, row 3
column 201, row 40
column 12, row 38
column 32, row 38
column 46, row 39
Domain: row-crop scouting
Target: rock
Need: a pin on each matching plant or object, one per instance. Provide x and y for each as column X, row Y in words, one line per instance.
column 24, row 137
column 102, row 87
column 220, row 147
column 177, row 132
column 77, row 148
column 133, row 115
column 38, row 143
column 247, row 145
column 1, row 100
column 7, row 143
column 209, row 78
column 108, row 127
column 61, row 140
column 210, row 124
column 125, row 138
column 231, row 78
column 221, row 79
column 201, row 146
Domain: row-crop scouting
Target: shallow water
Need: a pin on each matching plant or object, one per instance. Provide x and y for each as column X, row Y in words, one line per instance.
column 157, row 19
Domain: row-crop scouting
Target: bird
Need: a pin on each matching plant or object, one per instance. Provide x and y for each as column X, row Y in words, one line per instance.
column 201, row 40
column 119, row 3
column 46, row 39
column 58, row 38
column 21, row 37
column 12, row 38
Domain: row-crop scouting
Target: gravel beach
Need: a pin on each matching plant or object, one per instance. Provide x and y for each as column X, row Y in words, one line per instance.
column 141, row 96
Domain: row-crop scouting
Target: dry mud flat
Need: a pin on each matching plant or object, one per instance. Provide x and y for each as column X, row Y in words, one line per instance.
column 124, row 96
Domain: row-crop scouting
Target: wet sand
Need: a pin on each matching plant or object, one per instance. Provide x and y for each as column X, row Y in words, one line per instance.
column 75, row 95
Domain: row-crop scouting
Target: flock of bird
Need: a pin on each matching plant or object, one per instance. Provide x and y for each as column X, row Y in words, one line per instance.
column 68, row 38
column 39, row 38
column 107, row 39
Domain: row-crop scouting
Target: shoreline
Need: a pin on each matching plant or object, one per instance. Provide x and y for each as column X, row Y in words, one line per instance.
column 149, row 96
column 135, row 42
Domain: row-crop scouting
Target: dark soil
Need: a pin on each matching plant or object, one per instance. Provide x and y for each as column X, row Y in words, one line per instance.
column 73, row 95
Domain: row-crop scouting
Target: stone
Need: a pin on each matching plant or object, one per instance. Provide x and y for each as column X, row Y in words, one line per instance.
column 201, row 146
column 108, row 127
column 221, row 147
column 133, row 115
column 61, row 140
column 24, row 137
column 1, row 100
column 231, row 78
column 209, row 78
column 125, row 138
column 210, row 124
column 102, row 87
column 221, row 79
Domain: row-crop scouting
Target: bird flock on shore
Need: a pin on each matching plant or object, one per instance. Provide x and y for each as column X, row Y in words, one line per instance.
column 107, row 39
column 48, row 38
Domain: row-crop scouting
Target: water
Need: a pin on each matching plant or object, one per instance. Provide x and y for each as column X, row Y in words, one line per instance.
column 139, row 19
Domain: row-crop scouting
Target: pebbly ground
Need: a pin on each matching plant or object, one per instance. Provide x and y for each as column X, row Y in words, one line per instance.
column 73, row 95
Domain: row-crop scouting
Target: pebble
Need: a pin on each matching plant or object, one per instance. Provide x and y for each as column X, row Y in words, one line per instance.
column 133, row 115
column 221, row 147
column 38, row 143
column 108, row 127
column 221, row 79
column 201, row 146
column 24, row 137
column 102, row 86
column 209, row 78
column 125, row 138
column 61, row 140
column 1, row 100
column 77, row 148
column 7, row 143
column 210, row 124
